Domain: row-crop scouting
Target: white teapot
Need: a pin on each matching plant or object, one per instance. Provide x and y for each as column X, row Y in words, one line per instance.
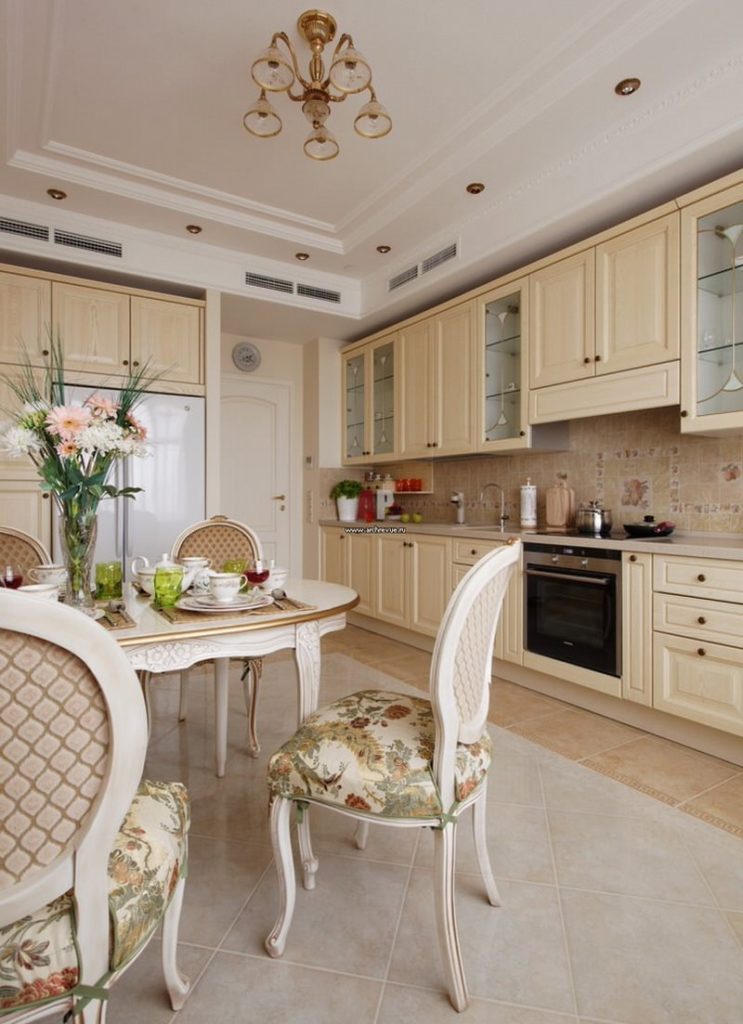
column 144, row 573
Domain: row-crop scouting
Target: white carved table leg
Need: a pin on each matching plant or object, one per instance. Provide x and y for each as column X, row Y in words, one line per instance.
column 307, row 654
column 221, row 704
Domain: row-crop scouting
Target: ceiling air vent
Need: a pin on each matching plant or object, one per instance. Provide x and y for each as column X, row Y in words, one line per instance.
column 448, row 253
column 274, row 284
column 402, row 278
column 318, row 293
column 99, row 245
column 19, row 227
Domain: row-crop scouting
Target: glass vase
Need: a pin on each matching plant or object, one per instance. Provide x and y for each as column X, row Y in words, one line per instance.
column 77, row 534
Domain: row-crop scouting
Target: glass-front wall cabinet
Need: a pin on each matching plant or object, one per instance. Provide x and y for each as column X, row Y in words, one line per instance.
column 713, row 346
column 503, row 418
column 369, row 410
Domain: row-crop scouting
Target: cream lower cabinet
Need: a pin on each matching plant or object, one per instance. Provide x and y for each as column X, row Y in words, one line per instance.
column 637, row 628
column 413, row 581
column 349, row 559
column 698, row 640
column 509, row 644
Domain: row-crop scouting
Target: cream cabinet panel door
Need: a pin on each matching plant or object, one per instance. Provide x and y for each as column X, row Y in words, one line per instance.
column 417, row 376
column 509, row 645
column 637, row 297
column 429, row 582
column 700, row 681
column 637, row 628
column 23, row 506
column 25, row 316
column 168, row 334
column 93, row 326
column 391, row 581
column 454, row 380
column 561, row 300
column 21, row 468
column 360, row 552
column 332, row 560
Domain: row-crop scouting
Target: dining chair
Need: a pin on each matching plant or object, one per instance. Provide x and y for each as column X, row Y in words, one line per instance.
column 403, row 761
column 21, row 550
column 92, row 857
column 220, row 539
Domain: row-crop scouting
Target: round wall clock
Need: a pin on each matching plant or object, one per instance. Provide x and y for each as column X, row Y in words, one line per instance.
column 246, row 356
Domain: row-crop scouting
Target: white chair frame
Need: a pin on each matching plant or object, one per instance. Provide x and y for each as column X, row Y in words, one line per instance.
column 83, row 867
column 451, row 728
column 252, row 676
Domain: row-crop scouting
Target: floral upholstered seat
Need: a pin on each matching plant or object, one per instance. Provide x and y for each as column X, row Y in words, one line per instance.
column 372, row 751
column 38, row 954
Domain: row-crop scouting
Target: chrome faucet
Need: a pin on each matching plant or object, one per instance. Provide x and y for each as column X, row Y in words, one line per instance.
column 503, row 516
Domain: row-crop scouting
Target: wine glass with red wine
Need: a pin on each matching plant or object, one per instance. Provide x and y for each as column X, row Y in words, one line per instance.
column 257, row 573
column 11, row 577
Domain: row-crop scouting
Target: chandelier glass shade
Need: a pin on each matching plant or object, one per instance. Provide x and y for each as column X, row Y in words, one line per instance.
column 276, row 69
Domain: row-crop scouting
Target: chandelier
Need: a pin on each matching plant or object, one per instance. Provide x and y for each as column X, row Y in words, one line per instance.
column 276, row 69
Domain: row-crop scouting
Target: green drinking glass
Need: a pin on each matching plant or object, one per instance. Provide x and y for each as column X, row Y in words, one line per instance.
column 107, row 581
column 168, row 584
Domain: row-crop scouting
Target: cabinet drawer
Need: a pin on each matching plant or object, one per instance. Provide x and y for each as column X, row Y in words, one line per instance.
column 705, row 688
column 467, row 552
column 699, row 577
column 713, row 621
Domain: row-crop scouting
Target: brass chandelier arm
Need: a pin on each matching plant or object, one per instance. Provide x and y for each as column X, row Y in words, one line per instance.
column 284, row 38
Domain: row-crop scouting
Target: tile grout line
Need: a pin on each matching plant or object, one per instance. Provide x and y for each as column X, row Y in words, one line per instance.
column 723, row 913
column 703, row 792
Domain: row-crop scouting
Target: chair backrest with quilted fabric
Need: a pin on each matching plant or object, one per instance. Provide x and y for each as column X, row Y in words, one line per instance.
column 73, row 736
column 461, row 666
column 21, row 551
column 218, row 539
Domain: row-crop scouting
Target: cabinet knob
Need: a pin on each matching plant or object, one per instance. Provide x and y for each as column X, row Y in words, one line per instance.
column 684, row 412
column 597, row 359
column 434, row 444
column 701, row 577
column 45, row 351
column 135, row 363
column 633, row 558
column 473, row 551
column 701, row 620
column 124, row 362
column 701, row 652
column 45, row 495
column 587, row 359
column 522, row 433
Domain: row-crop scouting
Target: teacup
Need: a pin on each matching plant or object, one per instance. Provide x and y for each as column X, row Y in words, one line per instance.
column 49, row 591
column 225, row 586
column 144, row 575
column 48, row 572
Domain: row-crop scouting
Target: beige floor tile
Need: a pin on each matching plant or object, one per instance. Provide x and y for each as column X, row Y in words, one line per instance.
column 571, row 787
column 334, row 834
column 721, row 806
column 575, row 734
column 514, row 953
column 510, row 703
column 719, row 857
column 736, row 922
column 139, row 995
column 513, row 778
column 662, row 769
column 648, row 962
column 237, row 989
column 415, row 1005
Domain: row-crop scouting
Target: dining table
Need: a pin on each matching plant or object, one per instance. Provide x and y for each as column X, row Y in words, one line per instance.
column 158, row 641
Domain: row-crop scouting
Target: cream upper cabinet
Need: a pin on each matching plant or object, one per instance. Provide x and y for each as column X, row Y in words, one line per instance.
column 637, row 297
column 438, row 378
column 561, row 301
column 167, row 336
column 25, row 318
column 502, row 346
column 712, row 314
column 93, row 326
column 370, row 399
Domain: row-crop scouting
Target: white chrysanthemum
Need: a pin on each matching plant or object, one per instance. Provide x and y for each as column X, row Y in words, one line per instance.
column 132, row 445
column 17, row 441
column 100, row 436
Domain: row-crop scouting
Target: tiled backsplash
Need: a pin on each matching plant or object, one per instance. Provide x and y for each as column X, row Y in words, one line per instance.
column 636, row 464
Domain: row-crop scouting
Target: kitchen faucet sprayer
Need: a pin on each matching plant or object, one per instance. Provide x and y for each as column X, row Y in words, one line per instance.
column 503, row 516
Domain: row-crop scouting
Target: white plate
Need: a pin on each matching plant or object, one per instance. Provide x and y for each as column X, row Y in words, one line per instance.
column 239, row 600
column 200, row 604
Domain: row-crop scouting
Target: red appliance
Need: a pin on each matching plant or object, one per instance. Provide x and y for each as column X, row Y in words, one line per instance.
column 367, row 507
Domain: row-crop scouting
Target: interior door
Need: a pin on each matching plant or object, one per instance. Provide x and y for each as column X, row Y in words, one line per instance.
column 255, row 462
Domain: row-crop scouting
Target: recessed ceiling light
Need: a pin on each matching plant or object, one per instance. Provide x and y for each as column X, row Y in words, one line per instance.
column 194, row 229
column 475, row 188
column 383, row 248
column 627, row 86
column 301, row 256
column 56, row 193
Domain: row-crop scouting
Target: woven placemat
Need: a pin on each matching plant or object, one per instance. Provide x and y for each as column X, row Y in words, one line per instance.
column 119, row 619
column 281, row 605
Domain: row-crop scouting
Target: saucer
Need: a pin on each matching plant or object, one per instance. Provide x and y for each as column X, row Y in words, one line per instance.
column 238, row 604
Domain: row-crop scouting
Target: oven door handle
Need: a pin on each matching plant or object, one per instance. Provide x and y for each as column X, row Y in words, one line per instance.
column 596, row 581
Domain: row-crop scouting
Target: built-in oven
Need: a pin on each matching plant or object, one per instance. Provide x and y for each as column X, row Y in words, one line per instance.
column 573, row 608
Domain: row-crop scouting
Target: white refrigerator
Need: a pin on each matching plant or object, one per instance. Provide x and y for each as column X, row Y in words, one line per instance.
column 172, row 478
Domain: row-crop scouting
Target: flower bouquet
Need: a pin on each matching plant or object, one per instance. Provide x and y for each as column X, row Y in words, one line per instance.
column 74, row 448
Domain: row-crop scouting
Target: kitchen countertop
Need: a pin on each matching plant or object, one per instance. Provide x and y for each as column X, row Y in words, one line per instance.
column 699, row 545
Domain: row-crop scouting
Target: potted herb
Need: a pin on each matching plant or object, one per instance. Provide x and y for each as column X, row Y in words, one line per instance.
column 346, row 494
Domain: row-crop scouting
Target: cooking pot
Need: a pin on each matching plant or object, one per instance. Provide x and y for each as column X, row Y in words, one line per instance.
column 592, row 518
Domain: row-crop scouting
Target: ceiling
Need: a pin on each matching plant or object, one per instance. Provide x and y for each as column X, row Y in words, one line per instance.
column 134, row 109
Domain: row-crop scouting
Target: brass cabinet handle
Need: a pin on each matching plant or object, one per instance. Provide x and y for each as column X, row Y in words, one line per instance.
column 522, row 433
column 473, row 551
column 124, row 362
column 586, row 359
column 633, row 558
column 135, row 363
column 684, row 412
column 701, row 577
column 597, row 359
column 701, row 652
column 45, row 351
column 45, row 496
column 701, row 620
column 279, row 497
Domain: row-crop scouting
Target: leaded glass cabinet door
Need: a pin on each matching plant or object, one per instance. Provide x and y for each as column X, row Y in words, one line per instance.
column 383, row 398
column 712, row 283
column 503, row 315
column 355, row 418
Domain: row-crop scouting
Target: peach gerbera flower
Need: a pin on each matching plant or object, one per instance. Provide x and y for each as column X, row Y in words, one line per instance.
column 68, row 420
column 66, row 449
column 101, row 406
column 140, row 430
